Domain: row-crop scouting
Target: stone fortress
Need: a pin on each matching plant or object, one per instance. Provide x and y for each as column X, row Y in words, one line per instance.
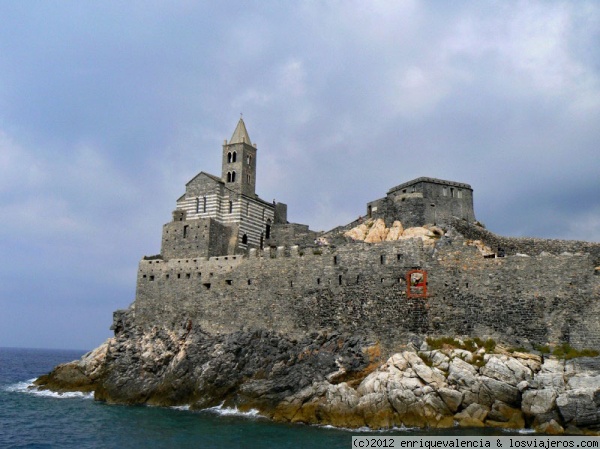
column 231, row 260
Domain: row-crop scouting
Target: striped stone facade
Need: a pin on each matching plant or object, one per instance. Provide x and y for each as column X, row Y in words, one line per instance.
column 227, row 205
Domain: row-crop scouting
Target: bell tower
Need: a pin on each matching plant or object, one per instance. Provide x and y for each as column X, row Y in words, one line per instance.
column 239, row 162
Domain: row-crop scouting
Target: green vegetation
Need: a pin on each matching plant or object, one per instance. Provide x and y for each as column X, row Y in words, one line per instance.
column 544, row 349
column 567, row 352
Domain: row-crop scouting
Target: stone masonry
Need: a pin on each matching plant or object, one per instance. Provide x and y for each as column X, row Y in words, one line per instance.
column 230, row 260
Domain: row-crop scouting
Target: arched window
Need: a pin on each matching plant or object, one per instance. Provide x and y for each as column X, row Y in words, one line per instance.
column 244, row 239
column 231, row 207
column 249, row 160
column 229, row 158
column 233, row 156
column 232, row 176
column 248, row 179
column 228, row 176
column 197, row 205
column 204, row 205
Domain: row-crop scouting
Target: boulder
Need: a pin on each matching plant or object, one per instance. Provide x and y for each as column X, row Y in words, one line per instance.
column 580, row 407
column 377, row 233
column 536, row 402
column 451, row 398
column 550, row 428
column 395, row 232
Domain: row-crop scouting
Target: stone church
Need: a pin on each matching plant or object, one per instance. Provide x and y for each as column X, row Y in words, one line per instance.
column 219, row 216
column 223, row 215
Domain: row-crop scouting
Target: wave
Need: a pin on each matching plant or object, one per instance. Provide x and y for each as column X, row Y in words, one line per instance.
column 28, row 387
column 222, row 411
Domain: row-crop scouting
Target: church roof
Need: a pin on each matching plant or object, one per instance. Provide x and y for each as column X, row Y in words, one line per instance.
column 240, row 135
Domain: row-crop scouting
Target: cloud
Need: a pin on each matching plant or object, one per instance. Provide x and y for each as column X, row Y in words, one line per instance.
column 107, row 110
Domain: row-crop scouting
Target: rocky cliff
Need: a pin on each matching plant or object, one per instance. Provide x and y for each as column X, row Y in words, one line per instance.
column 343, row 380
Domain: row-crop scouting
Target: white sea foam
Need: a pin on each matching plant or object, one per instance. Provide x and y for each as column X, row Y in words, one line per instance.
column 29, row 388
column 220, row 410
column 366, row 429
column 184, row 408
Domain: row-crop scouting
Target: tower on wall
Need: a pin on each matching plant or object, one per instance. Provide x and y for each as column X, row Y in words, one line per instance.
column 239, row 162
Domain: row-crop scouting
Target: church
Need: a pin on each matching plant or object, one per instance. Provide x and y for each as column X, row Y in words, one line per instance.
column 223, row 215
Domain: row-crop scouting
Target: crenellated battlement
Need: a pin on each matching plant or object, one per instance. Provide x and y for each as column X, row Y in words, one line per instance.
column 231, row 260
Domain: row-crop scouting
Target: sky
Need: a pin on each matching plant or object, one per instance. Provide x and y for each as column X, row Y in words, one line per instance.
column 108, row 108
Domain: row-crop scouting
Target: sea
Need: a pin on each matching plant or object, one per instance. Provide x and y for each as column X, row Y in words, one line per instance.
column 30, row 418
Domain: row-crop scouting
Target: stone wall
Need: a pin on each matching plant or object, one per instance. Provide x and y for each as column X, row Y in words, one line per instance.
column 291, row 234
column 200, row 237
column 526, row 245
column 424, row 201
column 361, row 288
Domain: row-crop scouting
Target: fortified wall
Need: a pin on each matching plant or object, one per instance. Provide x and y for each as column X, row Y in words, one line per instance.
column 231, row 260
column 362, row 288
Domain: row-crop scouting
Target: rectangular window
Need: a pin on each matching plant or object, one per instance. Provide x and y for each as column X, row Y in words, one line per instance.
column 459, row 193
column 452, row 192
column 445, row 191
column 185, row 231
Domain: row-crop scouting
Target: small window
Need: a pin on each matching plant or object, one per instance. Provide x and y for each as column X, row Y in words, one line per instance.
column 340, row 279
column 228, row 281
column 151, row 278
column 231, row 207
column 335, row 260
column 207, row 286
column 188, row 275
column 197, row 205
column 232, row 176
column 357, row 278
column 178, row 275
column 233, row 156
column 204, row 205
column 445, row 191
column 249, row 160
column 382, row 259
column 249, row 281
column 399, row 256
column 167, row 276
column 229, row 158
column 291, row 283
column 452, row 192
column 185, row 231
column 248, row 179
column 318, row 281
column 244, row 239
column 228, row 176
column 459, row 193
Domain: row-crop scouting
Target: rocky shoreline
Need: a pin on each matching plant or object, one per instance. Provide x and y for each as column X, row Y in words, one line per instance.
column 340, row 380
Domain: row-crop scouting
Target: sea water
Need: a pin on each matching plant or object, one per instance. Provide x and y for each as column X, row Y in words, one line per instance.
column 40, row 419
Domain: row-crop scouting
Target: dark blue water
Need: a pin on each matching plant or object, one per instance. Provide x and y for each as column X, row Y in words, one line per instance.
column 30, row 419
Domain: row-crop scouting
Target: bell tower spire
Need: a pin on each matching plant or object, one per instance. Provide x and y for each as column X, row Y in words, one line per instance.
column 239, row 162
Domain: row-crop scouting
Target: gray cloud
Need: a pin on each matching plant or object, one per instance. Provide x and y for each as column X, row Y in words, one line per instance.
column 106, row 111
